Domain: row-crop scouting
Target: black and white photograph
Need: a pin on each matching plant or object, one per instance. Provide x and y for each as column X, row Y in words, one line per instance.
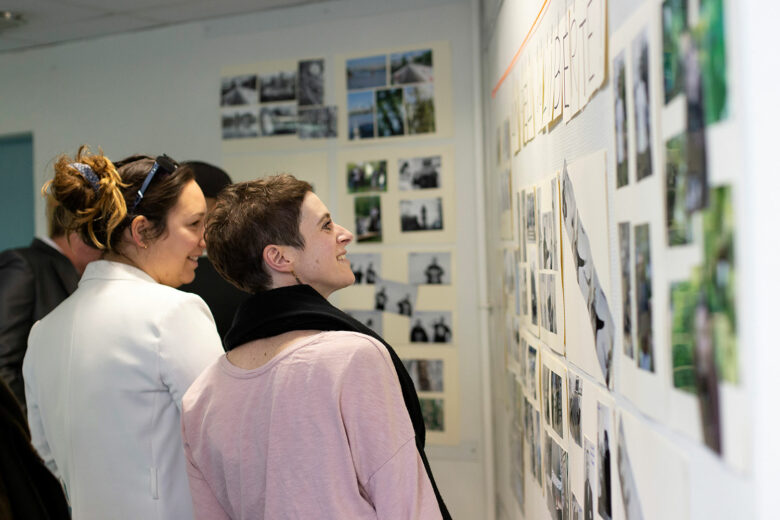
column 433, row 414
column 419, row 109
column 518, row 294
column 556, row 479
column 239, row 124
column 279, row 86
column 278, row 120
column 419, row 173
column 569, row 207
column 534, row 293
column 318, row 123
column 643, row 274
column 556, row 228
column 590, row 479
column 505, row 191
column 521, row 223
column 575, row 408
column 628, row 488
column 367, row 72
column 604, row 462
column 364, row 176
column 427, row 374
column 576, row 509
column 533, row 378
column 642, row 112
column 367, row 267
column 421, row 215
column 238, row 90
column 624, row 243
column 311, row 84
column 548, row 249
column 430, row 327
column 509, row 271
column 371, row 319
column 517, row 445
column 395, row 297
column 621, row 119
column 411, row 67
column 522, row 289
column 585, row 269
column 390, row 119
column 546, row 408
column 433, row 268
column 360, row 110
column 530, row 217
column 534, row 443
column 556, row 403
column 368, row 219
column 549, row 311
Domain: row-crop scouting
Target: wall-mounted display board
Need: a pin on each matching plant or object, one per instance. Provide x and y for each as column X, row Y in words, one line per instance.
column 641, row 371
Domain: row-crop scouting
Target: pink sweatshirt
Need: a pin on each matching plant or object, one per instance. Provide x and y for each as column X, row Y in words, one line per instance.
column 319, row 432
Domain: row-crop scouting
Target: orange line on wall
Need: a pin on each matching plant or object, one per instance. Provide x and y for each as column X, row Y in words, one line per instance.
column 531, row 31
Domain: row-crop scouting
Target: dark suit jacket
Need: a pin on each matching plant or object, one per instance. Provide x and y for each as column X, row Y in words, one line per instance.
column 28, row 490
column 33, row 281
column 222, row 297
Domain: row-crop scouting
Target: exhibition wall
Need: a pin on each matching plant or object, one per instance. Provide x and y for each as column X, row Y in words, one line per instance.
column 401, row 172
column 622, row 213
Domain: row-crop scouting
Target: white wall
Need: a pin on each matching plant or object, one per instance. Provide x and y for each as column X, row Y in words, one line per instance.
column 157, row 91
column 716, row 488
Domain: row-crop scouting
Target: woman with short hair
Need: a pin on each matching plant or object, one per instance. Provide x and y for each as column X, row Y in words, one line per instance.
column 310, row 414
column 105, row 371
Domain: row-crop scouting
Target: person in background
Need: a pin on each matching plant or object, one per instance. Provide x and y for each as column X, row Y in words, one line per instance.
column 28, row 490
column 222, row 297
column 106, row 370
column 331, row 426
column 33, row 281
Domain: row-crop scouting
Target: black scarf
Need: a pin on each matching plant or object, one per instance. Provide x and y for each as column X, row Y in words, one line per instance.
column 300, row 307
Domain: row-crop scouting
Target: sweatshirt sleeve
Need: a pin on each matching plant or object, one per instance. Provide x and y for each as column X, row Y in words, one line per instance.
column 189, row 343
column 381, row 438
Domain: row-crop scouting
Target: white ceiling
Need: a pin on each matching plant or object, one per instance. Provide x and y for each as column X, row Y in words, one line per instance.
column 49, row 22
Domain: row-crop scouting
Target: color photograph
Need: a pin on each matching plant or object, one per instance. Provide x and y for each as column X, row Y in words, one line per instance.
column 433, row 414
column 360, row 109
column 644, row 297
column 367, row 72
column 411, row 67
column 427, row 374
column 366, row 176
column 419, row 109
column 389, row 112
column 674, row 20
column 368, row 219
column 679, row 229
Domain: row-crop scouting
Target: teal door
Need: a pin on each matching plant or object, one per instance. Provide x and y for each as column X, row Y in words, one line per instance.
column 17, row 191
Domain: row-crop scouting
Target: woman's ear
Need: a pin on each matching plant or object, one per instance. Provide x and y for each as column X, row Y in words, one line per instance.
column 138, row 228
column 278, row 258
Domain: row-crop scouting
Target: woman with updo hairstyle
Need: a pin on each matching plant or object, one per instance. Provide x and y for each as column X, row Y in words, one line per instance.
column 106, row 370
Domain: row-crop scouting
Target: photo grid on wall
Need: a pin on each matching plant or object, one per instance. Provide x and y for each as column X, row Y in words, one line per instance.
column 286, row 100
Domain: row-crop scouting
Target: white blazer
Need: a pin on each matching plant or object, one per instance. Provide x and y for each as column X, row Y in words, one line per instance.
column 104, row 376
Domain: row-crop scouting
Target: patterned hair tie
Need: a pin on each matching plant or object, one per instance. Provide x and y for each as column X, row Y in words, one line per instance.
column 88, row 173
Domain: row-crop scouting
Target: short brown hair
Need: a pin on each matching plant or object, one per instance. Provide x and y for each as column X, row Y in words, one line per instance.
column 100, row 213
column 249, row 216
